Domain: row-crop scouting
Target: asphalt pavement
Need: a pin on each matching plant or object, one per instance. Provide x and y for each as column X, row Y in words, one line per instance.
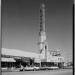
column 45, row 72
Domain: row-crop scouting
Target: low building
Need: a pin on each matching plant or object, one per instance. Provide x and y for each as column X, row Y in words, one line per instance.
column 16, row 58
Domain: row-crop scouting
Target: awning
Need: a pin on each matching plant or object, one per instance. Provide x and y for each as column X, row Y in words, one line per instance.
column 8, row 60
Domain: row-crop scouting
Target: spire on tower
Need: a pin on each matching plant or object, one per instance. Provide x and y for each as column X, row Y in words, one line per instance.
column 42, row 17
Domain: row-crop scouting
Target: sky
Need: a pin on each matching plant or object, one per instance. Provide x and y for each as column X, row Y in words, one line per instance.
column 21, row 25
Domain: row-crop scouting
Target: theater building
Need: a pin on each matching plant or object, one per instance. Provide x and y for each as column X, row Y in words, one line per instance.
column 12, row 58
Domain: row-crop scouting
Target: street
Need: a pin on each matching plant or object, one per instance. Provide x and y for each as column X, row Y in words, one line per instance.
column 46, row 72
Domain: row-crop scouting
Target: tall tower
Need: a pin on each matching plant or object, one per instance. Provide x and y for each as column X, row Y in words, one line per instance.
column 42, row 33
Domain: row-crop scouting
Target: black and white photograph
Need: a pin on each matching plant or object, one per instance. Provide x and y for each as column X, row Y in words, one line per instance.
column 37, row 37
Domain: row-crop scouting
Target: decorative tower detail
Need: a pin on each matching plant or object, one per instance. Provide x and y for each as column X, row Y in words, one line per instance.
column 42, row 34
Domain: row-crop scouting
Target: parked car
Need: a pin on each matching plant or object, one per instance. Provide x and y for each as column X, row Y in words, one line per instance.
column 36, row 68
column 21, row 68
column 49, row 68
column 29, row 68
column 54, row 67
column 43, row 68
column 4, row 69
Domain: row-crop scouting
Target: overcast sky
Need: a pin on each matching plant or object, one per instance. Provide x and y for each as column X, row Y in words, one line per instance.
column 21, row 25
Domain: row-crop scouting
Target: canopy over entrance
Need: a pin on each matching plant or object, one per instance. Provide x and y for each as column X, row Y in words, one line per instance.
column 7, row 60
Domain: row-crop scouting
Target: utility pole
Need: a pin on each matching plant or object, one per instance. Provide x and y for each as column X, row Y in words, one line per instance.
column 0, row 38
